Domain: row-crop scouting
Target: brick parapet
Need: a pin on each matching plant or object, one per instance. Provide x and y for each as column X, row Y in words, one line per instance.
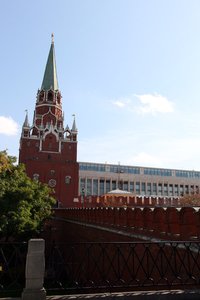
column 166, row 223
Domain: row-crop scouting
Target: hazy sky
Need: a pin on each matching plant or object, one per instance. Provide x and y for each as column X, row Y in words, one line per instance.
column 128, row 69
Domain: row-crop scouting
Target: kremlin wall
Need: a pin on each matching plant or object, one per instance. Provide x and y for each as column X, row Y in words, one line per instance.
column 142, row 222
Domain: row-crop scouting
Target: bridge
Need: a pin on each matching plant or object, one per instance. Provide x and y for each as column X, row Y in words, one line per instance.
column 116, row 252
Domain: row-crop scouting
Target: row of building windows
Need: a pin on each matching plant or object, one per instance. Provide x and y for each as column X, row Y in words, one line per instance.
column 108, row 168
column 137, row 170
column 157, row 172
column 99, row 187
column 187, row 174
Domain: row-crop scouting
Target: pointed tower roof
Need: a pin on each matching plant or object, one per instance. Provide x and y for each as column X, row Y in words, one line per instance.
column 74, row 128
column 26, row 123
column 50, row 80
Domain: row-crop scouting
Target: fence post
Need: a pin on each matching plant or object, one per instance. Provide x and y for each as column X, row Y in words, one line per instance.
column 35, row 268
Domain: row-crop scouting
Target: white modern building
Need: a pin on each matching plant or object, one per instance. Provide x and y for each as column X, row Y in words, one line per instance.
column 98, row 179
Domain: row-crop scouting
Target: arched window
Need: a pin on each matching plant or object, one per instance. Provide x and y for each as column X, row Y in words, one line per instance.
column 50, row 96
column 41, row 96
column 58, row 98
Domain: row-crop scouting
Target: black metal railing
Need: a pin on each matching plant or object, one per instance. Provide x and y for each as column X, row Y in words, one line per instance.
column 12, row 268
column 105, row 267
column 89, row 267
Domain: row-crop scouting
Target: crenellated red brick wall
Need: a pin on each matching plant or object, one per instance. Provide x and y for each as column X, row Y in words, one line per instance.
column 167, row 223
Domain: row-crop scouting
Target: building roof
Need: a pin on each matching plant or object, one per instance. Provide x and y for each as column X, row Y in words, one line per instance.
column 119, row 192
column 50, row 80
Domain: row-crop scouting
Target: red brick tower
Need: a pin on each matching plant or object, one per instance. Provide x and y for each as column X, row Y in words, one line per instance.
column 48, row 150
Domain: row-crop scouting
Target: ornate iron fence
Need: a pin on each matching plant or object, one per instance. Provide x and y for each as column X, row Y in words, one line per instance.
column 89, row 267
column 105, row 267
column 12, row 268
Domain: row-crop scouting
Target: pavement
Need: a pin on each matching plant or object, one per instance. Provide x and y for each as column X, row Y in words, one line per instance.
column 141, row 295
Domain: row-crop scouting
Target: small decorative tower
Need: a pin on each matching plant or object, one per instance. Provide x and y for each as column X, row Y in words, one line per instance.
column 48, row 150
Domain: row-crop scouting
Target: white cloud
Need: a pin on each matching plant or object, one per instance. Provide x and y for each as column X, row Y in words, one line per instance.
column 8, row 126
column 122, row 102
column 119, row 103
column 152, row 104
column 140, row 149
column 149, row 104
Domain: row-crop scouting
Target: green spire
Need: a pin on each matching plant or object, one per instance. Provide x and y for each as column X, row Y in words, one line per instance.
column 50, row 80
column 74, row 128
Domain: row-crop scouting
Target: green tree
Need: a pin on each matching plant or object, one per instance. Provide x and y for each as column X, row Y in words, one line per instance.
column 24, row 203
column 190, row 200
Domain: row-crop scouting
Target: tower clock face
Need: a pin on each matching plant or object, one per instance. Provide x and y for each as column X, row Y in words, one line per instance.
column 52, row 182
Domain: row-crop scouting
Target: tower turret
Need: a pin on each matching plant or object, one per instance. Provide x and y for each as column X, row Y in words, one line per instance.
column 74, row 130
column 26, row 127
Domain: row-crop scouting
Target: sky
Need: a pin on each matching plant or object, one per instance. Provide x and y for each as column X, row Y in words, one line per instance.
column 128, row 69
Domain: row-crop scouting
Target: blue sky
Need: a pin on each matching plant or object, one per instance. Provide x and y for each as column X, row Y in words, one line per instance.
column 128, row 69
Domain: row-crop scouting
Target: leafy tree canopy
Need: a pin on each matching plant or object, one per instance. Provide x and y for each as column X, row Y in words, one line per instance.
column 190, row 200
column 24, row 203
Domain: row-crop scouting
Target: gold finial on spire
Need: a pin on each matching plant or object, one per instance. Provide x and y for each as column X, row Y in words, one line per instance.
column 52, row 38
